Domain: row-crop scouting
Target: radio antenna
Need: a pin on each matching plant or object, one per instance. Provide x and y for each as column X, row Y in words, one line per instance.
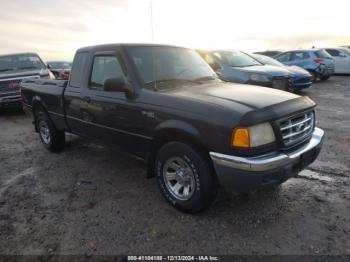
column 152, row 38
column 151, row 9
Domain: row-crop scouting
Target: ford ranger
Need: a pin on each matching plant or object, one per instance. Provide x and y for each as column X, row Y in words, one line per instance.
column 167, row 106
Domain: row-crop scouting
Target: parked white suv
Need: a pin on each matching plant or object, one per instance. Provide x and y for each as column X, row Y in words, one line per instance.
column 341, row 56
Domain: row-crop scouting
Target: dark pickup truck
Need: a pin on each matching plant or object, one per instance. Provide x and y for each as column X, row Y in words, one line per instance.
column 13, row 69
column 167, row 106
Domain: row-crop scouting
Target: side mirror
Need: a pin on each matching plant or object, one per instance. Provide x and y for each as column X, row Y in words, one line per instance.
column 342, row 55
column 49, row 66
column 116, row 84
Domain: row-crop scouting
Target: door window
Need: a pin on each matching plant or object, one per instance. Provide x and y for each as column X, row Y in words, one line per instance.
column 284, row 57
column 300, row 56
column 103, row 68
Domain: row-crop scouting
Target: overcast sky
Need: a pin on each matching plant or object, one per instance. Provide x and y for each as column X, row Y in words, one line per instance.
column 56, row 28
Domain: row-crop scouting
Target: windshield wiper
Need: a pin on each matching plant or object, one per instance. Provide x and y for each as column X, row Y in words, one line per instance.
column 27, row 67
column 165, row 81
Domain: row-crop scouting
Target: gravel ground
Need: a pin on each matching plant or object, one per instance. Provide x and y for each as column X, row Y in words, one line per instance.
column 93, row 200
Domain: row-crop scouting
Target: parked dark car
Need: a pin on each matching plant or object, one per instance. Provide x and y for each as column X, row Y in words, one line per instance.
column 13, row 69
column 239, row 67
column 60, row 69
column 317, row 61
column 300, row 78
column 166, row 105
column 269, row 53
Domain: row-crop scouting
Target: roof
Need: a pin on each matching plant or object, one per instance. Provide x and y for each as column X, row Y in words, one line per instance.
column 306, row 50
column 111, row 46
column 26, row 53
column 58, row 61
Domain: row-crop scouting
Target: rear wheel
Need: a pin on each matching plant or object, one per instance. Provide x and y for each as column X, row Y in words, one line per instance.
column 185, row 178
column 51, row 138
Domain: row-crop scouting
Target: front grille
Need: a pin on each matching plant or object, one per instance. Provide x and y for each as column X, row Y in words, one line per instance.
column 9, row 86
column 302, row 80
column 296, row 128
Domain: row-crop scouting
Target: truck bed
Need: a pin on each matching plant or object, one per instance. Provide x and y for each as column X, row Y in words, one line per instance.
column 49, row 93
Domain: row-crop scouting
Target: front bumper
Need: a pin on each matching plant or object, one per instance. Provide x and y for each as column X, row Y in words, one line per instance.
column 247, row 173
column 325, row 71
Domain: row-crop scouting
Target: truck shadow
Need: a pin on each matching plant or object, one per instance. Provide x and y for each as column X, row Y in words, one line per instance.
column 11, row 112
column 128, row 174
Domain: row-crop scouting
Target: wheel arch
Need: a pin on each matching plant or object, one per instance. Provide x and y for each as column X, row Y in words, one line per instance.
column 37, row 103
column 178, row 131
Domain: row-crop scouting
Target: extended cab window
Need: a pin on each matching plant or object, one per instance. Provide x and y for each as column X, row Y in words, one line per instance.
column 104, row 67
column 77, row 76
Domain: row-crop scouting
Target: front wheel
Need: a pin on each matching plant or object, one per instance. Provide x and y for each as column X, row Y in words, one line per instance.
column 51, row 138
column 314, row 76
column 323, row 78
column 185, row 177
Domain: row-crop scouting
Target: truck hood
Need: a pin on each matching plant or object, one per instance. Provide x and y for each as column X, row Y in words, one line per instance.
column 21, row 74
column 223, row 94
column 259, row 103
column 272, row 71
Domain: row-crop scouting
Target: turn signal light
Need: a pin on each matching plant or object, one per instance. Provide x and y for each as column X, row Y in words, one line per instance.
column 240, row 137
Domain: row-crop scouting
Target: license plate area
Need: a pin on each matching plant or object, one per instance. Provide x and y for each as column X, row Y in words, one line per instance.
column 307, row 158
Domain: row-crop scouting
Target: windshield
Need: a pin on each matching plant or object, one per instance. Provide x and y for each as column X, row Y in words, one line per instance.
column 169, row 64
column 266, row 60
column 59, row 65
column 235, row 58
column 20, row 62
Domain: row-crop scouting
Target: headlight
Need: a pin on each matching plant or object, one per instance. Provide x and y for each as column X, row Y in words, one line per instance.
column 259, row 78
column 253, row 136
column 46, row 74
column 51, row 76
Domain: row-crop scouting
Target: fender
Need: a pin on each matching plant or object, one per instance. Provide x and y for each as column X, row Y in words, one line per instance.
column 37, row 100
column 171, row 130
column 177, row 126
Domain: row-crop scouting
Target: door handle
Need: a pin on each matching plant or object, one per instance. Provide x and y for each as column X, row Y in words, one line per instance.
column 87, row 99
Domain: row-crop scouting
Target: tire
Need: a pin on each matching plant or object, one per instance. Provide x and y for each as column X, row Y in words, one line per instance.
column 323, row 78
column 314, row 76
column 50, row 137
column 190, row 175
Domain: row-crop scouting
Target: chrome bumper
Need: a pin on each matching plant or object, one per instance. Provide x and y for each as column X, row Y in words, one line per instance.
column 267, row 161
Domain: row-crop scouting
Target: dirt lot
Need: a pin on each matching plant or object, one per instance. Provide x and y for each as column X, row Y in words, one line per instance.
column 92, row 200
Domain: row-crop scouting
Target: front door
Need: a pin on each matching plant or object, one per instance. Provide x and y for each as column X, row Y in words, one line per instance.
column 111, row 115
